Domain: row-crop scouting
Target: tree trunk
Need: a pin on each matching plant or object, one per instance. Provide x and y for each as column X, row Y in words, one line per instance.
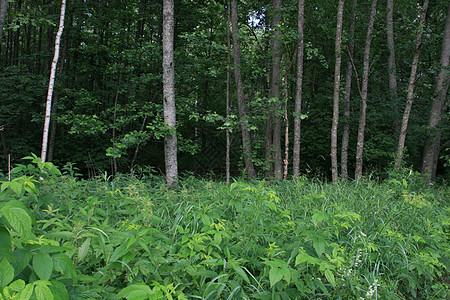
column 246, row 139
column 51, row 83
column 391, row 63
column 433, row 135
column 275, row 89
column 410, row 93
column 337, row 86
column 299, row 87
column 228, row 146
column 3, row 10
column 363, row 92
column 170, row 139
column 348, row 88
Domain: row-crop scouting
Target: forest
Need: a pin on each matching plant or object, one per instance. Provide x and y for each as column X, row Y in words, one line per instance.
column 241, row 149
column 302, row 98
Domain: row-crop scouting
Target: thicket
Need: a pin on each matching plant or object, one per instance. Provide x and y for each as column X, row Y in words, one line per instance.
column 131, row 237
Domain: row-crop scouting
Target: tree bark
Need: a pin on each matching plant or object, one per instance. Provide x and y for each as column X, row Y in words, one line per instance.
column 299, row 87
column 3, row 11
column 170, row 139
column 337, row 85
column 433, row 136
column 246, row 139
column 348, row 88
column 391, row 63
column 228, row 146
column 364, row 87
column 52, row 83
column 411, row 84
column 275, row 89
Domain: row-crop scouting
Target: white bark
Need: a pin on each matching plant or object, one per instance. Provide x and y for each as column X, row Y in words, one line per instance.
column 170, row 140
column 51, row 83
column 337, row 85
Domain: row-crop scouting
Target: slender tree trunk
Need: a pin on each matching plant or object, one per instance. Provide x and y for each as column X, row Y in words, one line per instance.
column 228, row 146
column 170, row 140
column 114, row 127
column 337, row 86
column 391, row 63
column 364, row 87
column 286, row 117
column 246, row 139
column 268, row 144
column 136, row 151
column 275, row 88
column 433, row 136
column 299, row 87
column 410, row 93
column 348, row 88
column 52, row 83
column 3, row 10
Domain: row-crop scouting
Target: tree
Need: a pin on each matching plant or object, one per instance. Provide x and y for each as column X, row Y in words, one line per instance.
column 228, row 145
column 275, row 89
column 411, row 84
column 347, row 97
column 299, row 90
column 337, row 85
column 433, row 136
column 246, row 139
column 52, row 83
column 391, row 62
column 3, row 10
column 363, row 93
column 170, row 139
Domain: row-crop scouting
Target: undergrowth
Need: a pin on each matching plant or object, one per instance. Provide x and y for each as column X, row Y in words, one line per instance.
column 133, row 238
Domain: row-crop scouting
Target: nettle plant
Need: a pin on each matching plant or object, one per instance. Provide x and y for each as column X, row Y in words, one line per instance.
column 31, row 267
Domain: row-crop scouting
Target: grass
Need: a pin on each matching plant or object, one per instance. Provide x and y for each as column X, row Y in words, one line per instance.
column 133, row 237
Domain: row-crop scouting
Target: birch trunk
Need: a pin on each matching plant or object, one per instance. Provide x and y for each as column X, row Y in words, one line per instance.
column 337, row 86
column 433, row 136
column 411, row 84
column 246, row 139
column 348, row 88
column 299, row 87
column 52, row 83
column 364, row 87
column 170, row 140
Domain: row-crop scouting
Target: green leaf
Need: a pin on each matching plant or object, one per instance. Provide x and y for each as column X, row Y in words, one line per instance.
column 319, row 246
column 64, row 264
column 330, row 277
column 59, row 290
column 42, row 290
column 17, row 285
column 241, row 273
column 6, row 273
column 5, row 240
column 119, row 252
column 27, row 292
column 142, row 289
column 43, row 265
column 275, row 275
column 84, row 249
column 18, row 218
column 16, row 187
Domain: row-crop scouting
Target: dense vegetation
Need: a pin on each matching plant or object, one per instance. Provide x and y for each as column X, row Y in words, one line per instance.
column 131, row 237
column 107, row 103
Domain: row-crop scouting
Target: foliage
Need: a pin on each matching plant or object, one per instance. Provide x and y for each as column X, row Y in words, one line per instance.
column 133, row 238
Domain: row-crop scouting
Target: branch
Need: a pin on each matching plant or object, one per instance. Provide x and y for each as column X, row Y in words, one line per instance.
column 356, row 71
